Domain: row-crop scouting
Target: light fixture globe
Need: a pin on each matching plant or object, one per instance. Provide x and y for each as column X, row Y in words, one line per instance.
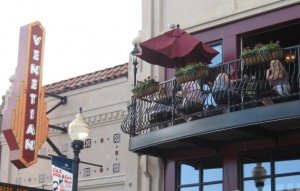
column 259, row 172
column 78, row 128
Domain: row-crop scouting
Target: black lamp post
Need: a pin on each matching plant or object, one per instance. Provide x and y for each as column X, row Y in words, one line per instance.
column 78, row 132
column 134, row 62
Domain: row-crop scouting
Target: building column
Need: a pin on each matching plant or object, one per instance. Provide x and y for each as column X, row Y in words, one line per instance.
column 231, row 172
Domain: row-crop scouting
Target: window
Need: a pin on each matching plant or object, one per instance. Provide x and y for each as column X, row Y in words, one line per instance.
column 265, row 35
column 200, row 175
column 218, row 59
column 271, row 171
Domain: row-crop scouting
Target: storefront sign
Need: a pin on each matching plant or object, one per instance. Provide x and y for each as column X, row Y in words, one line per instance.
column 12, row 187
column 25, row 125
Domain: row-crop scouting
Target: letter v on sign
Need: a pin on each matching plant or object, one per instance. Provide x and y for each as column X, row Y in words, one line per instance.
column 36, row 40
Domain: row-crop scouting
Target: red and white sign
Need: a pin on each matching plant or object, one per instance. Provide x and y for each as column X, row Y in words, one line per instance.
column 25, row 125
column 62, row 176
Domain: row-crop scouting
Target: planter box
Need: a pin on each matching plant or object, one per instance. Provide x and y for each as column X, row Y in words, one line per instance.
column 147, row 91
column 200, row 74
column 251, row 60
column 258, row 59
column 273, row 55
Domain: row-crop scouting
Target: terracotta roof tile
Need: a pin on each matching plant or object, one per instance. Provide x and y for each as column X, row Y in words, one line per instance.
column 88, row 79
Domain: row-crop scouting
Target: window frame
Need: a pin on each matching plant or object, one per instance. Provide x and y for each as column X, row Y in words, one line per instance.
column 217, row 43
column 200, row 184
column 274, row 157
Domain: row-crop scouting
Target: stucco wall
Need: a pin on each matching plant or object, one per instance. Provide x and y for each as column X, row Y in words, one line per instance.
column 104, row 108
column 194, row 15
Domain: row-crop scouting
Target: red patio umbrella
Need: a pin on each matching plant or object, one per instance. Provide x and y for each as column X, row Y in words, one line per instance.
column 174, row 49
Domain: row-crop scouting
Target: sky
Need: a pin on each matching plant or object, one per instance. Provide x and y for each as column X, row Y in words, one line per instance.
column 82, row 36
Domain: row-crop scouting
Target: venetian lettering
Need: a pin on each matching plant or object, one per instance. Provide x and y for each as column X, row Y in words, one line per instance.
column 36, row 39
column 30, row 130
column 36, row 55
column 29, row 144
column 34, row 69
column 32, row 112
column 34, row 84
column 32, row 98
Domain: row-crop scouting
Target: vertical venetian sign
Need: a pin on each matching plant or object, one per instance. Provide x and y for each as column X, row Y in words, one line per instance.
column 25, row 125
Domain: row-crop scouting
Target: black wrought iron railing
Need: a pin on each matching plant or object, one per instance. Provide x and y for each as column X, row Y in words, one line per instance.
column 228, row 87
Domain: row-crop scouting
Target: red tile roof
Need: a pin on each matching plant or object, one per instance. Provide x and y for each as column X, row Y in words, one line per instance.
column 88, row 79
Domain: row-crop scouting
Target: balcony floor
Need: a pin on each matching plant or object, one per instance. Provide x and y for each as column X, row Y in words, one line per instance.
column 255, row 123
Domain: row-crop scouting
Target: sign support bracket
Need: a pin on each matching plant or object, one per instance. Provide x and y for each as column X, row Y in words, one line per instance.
column 63, row 100
column 88, row 163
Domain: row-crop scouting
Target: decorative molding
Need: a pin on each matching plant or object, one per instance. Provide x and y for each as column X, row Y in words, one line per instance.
column 89, row 183
column 101, row 182
column 103, row 118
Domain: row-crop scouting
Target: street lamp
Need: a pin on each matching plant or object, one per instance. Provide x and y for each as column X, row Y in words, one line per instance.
column 78, row 132
column 259, row 173
column 136, row 41
column 134, row 61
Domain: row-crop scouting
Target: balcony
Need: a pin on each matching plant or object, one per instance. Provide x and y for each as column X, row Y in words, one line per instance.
column 175, row 119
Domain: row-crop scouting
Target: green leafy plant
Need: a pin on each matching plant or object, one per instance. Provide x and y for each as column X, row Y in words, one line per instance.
column 266, row 48
column 143, row 85
column 190, row 68
column 247, row 51
column 273, row 45
column 262, row 53
column 261, row 49
column 257, row 48
column 191, row 72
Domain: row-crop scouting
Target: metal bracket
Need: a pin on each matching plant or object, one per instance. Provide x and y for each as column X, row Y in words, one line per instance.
column 63, row 129
column 49, row 158
column 63, row 100
column 55, row 148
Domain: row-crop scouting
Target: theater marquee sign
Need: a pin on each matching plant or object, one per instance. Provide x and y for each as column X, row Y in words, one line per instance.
column 13, row 187
column 25, row 125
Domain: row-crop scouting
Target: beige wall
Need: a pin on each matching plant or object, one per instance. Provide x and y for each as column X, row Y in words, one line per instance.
column 104, row 108
column 194, row 15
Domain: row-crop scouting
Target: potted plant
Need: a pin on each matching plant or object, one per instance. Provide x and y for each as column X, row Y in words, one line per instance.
column 191, row 72
column 270, row 51
column 146, row 87
column 261, row 53
column 248, row 55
